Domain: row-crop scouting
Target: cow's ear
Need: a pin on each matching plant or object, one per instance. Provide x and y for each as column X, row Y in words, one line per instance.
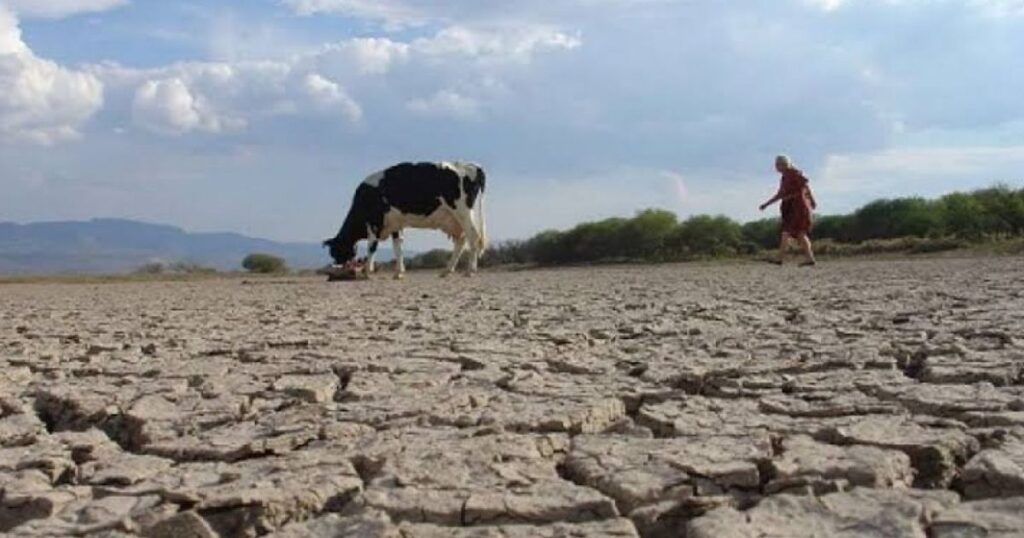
column 328, row 242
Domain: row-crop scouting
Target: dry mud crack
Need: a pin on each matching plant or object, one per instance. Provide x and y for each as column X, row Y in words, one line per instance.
column 868, row 398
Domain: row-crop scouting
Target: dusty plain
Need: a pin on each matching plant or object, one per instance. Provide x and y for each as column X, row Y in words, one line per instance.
column 857, row 398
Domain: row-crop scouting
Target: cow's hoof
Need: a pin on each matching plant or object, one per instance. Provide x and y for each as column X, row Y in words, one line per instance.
column 399, row 276
column 445, row 274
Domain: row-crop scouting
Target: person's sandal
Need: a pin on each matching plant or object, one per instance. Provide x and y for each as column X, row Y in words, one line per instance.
column 811, row 263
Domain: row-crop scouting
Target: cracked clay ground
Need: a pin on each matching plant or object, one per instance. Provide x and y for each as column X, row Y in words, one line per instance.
column 858, row 398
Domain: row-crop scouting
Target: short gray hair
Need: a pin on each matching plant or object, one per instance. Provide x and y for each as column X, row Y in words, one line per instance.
column 785, row 161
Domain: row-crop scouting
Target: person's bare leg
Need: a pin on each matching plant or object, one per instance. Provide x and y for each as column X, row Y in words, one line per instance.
column 805, row 242
column 783, row 240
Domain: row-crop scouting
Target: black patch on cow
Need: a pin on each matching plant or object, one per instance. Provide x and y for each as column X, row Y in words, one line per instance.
column 367, row 211
column 417, row 188
column 473, row 187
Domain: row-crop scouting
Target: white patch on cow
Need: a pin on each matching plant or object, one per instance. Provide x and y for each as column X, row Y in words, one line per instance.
column 396, row 243
column 371, row 253
column 373, row 179
column 441, row 219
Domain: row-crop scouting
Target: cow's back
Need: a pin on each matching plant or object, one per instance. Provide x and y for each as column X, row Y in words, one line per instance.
column 417, row 188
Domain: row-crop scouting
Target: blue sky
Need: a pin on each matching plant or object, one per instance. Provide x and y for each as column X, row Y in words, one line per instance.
column 261, row 116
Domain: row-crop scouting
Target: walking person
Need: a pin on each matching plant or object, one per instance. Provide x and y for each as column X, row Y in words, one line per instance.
column 797, row 204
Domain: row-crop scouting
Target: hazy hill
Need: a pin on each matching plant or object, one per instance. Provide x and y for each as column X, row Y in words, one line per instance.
column 117, row 245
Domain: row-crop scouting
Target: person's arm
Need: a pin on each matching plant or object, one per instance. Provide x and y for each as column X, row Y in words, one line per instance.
column 778, row 196
column 810, row 198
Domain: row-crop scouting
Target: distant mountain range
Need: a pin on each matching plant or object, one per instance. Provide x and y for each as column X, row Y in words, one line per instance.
column 117, row 245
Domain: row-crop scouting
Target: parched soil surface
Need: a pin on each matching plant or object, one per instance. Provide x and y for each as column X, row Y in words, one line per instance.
column 868, row 398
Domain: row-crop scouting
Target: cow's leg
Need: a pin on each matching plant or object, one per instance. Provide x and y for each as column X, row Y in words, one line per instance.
column 471, row 235
column 371, row 253
column 458, row 244
column 474, row 250
column 396, row 241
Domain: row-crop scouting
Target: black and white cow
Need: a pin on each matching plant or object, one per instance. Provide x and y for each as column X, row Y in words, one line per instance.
column 440, row 196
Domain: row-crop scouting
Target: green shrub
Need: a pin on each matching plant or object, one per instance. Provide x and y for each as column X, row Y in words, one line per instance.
column 153, row 268
column 264, row 264
column 431, row 259
column 899, row 225
column 706, row 236
column 763, row 233
column 191, row 268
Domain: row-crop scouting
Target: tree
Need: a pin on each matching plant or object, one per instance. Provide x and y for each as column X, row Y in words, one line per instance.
column 834, row 227
column 644, row 236
column 963, row 215
column 656, row 235
column 264, row 264
column 763, row 233
column 1003, row 209
column 547, row 247
column 704, row 235
column 506, row 253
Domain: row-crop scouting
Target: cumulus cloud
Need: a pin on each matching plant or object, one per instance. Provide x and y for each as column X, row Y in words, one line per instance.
column 395, row 13
column 450, row 48
column 170, row 106
column 328, row 95
column 368, row 56
column 41, row 101
column 221, row 98
column 446, row 103
column 56, row 9
column 496, row 43
column 400, row 14
column 224, row 97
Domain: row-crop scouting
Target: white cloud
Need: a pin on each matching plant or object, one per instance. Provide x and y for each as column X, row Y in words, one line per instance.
column 56, row 9
column 926, row 171
column 477, row 53
column 223, row 97
column 219, row 98
column 395, row 13
column 170, row 106
column 329, row 95
column 41, row 102
column 826, row 5
column 1000, row 7
column 495, row 44
column 446, row 103
column 994, row 7
column 371, row 56
column 10, row 34
column 401, row 14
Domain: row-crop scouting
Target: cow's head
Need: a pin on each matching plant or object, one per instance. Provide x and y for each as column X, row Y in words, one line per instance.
column 365, row 204
column 342, row 251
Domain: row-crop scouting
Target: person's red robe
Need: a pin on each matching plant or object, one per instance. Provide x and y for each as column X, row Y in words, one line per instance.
column 796, row 208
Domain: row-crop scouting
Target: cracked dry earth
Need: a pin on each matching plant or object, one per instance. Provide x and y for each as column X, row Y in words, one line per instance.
column 868, row 398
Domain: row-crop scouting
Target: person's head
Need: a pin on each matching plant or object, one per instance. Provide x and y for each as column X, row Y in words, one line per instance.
column 782, row 163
